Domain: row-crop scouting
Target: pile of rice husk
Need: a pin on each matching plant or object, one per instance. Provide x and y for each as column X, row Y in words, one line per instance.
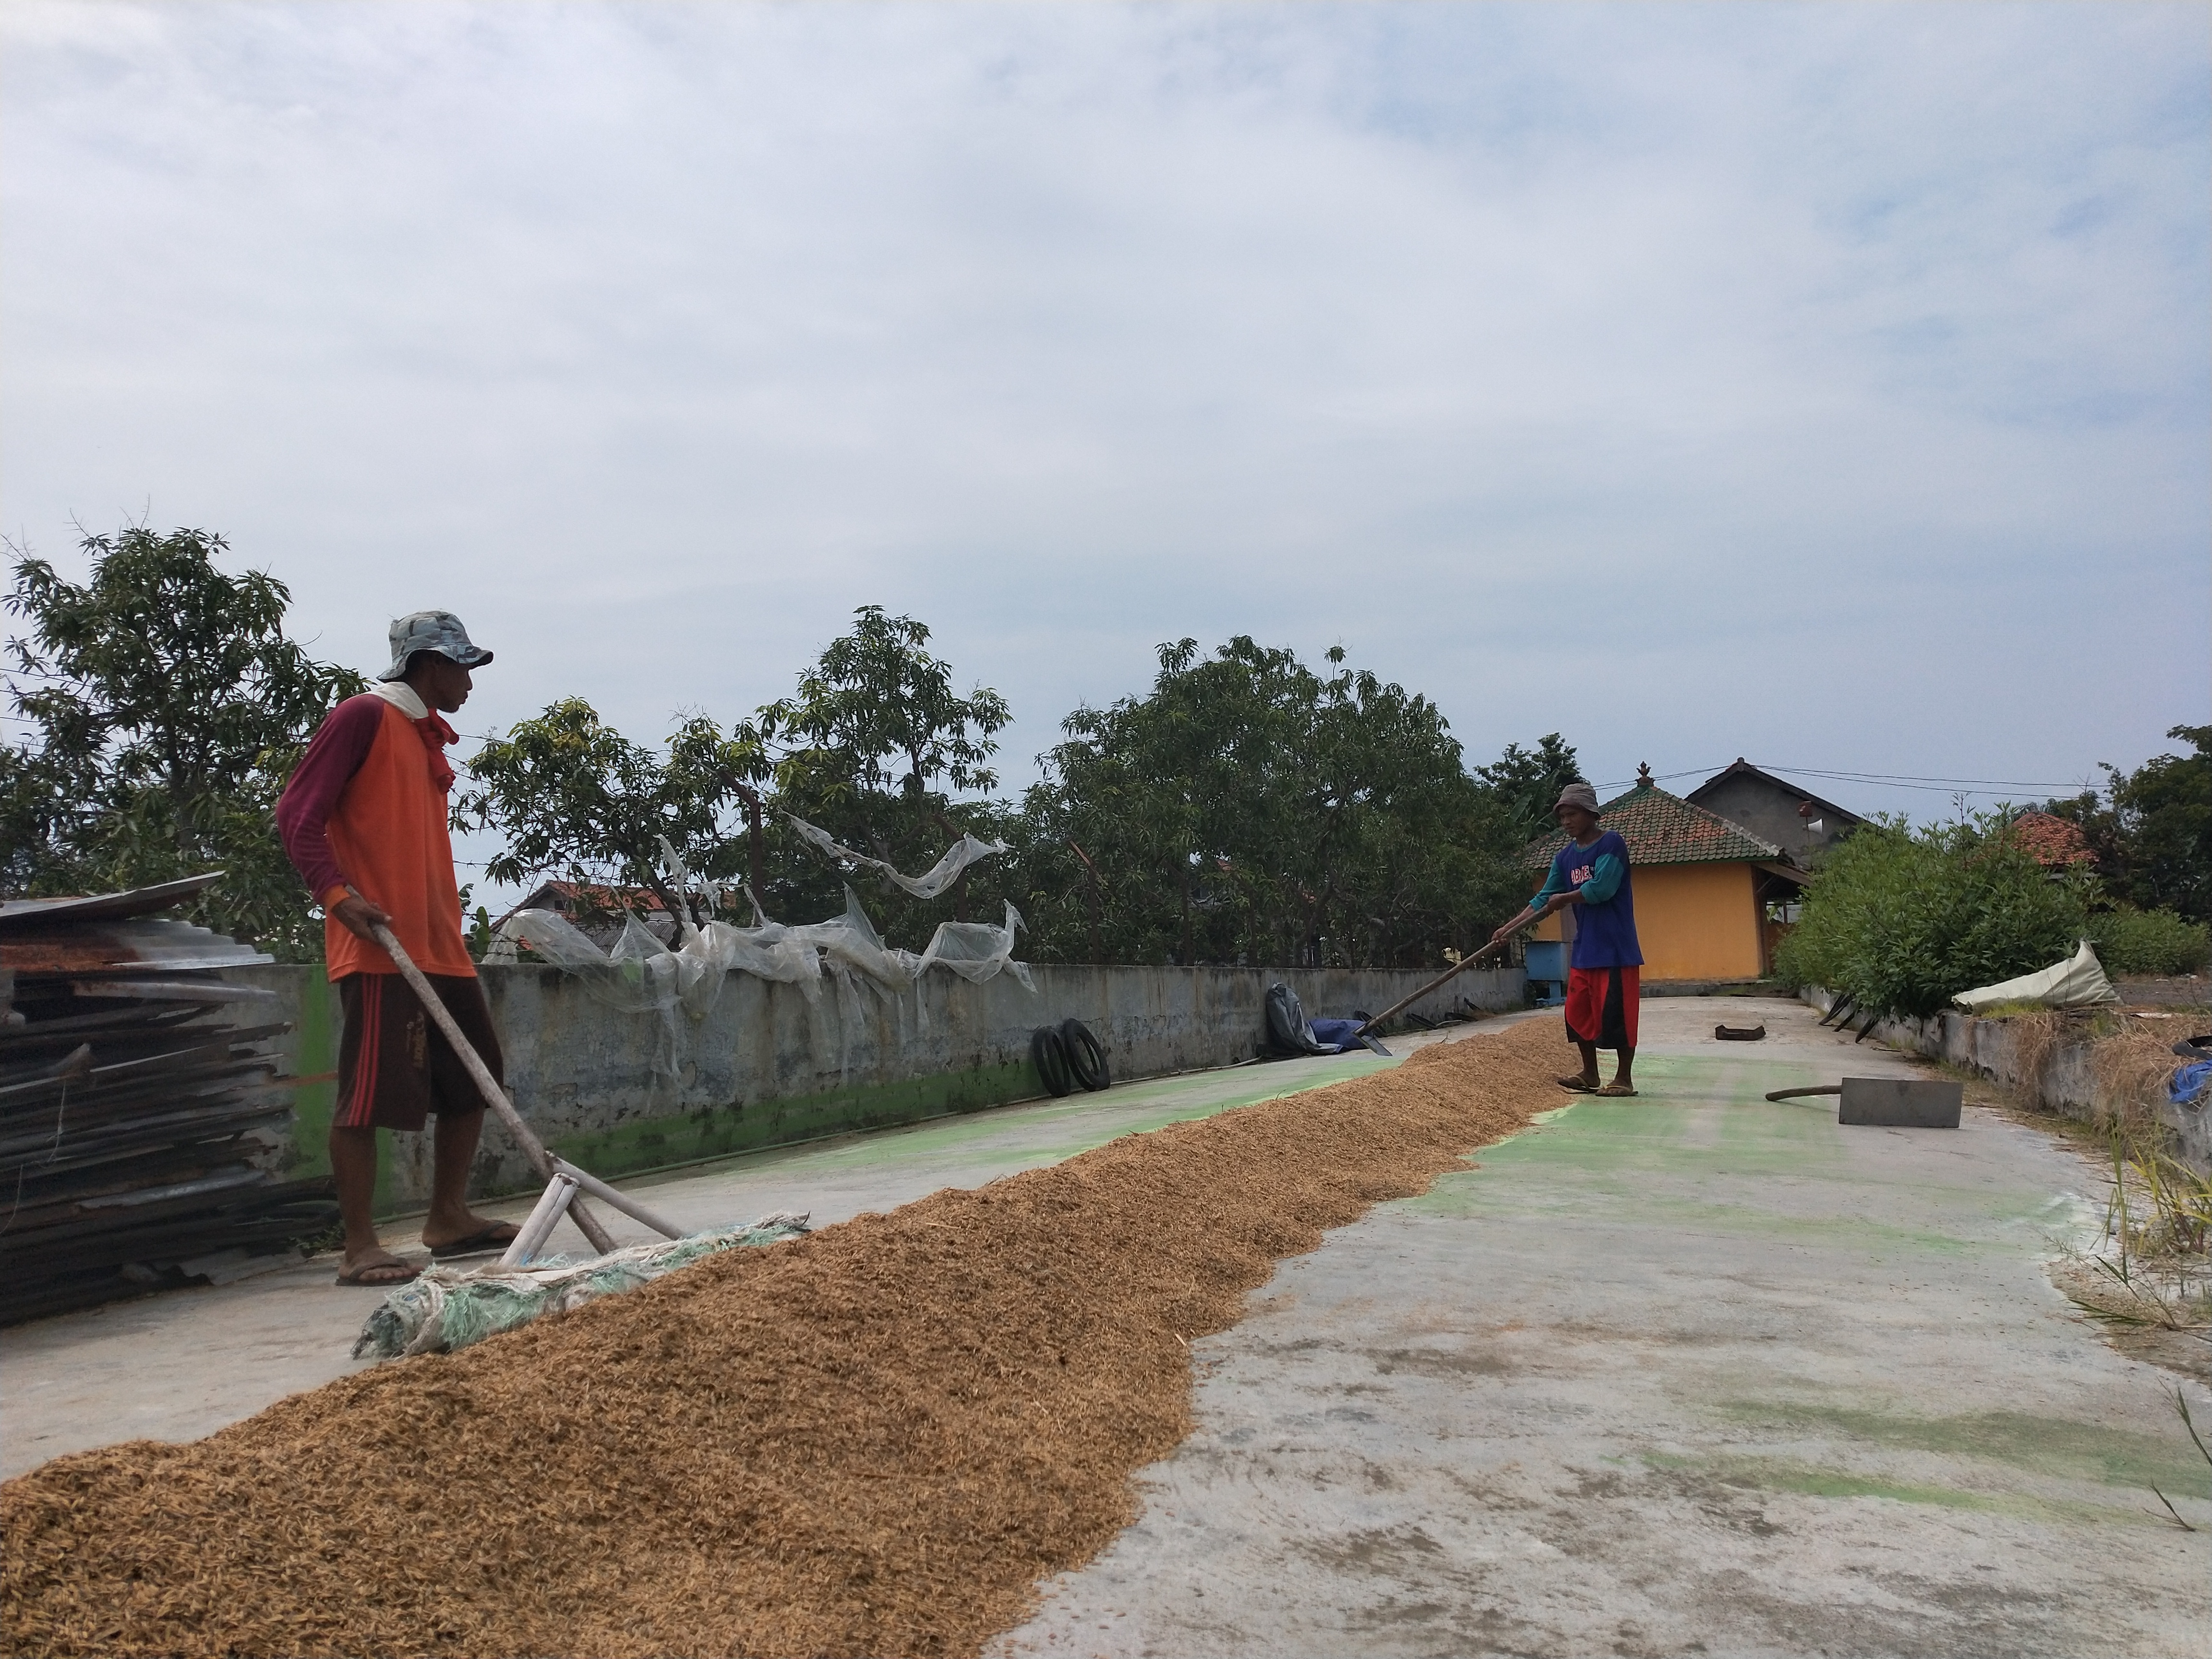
column 874, row 1440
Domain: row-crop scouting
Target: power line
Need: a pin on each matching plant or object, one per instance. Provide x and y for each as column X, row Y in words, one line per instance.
column 1890, row 779
column 1908, row 777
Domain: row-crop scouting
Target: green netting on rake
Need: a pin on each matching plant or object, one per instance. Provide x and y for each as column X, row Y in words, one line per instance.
column 450, row 1307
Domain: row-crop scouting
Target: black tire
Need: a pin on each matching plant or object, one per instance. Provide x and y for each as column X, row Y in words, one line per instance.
column 1086, row 1055
column 1049, row 1055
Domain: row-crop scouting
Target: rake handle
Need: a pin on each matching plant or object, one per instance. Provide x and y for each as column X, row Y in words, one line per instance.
column 1441, row 980
column 487, row 1085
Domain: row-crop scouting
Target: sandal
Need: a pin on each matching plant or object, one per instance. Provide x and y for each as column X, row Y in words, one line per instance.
column 498, row 1236
column 380, row 1276
column 1576, row 1084
column 1615, row 1091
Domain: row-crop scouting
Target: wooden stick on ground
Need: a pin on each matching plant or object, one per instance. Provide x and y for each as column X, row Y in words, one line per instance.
column 495, row 1096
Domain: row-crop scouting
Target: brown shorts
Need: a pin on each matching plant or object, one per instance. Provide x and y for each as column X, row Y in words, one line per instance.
column 395, row 1067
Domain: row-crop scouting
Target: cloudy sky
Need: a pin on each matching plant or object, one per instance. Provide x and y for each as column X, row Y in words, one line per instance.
column 1827, row 385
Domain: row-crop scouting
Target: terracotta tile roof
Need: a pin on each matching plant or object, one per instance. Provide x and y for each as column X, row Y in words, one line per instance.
column 568, row 895
column 2052, row 841
column 1663, row 828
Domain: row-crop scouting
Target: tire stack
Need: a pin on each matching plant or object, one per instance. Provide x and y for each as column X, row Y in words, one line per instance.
column 1067, row 1056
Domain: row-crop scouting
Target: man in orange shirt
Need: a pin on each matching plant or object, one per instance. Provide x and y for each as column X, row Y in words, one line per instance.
column 364, row 820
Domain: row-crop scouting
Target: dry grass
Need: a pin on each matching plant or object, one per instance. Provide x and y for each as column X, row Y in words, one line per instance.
column 2131, row 1067
column 875, row 1440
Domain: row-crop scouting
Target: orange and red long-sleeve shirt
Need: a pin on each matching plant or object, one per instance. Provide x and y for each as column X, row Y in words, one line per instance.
column 366, row 809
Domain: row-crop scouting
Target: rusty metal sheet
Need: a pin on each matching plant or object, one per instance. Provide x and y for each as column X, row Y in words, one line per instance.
column 97, row 947
column 34, row 913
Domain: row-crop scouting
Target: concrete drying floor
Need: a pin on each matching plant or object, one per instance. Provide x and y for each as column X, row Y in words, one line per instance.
column 1686, row 1374
column 1691, row 1373
column 182, row 1364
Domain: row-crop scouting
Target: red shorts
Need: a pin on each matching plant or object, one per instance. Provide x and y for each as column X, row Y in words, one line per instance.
column 395, row 1067
column 1601, row 1006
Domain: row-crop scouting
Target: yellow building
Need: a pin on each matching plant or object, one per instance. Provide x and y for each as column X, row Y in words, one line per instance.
column 1701, row 883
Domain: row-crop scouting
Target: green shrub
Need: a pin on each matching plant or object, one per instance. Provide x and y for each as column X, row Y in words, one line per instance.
column 2132, row 941
column 1903, row 920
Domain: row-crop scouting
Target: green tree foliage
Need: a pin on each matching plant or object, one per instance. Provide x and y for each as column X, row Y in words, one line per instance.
column 1903, row 920
column 2151, row 829
column 868, row 749
column 573, row 798
column 2132, row 941
column 1526, row 782
column 1250, row 810
column 165, row 708
column 873, row 748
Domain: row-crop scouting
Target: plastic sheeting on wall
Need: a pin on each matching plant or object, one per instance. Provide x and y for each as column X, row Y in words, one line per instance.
column 939, row 876
column 639, row 975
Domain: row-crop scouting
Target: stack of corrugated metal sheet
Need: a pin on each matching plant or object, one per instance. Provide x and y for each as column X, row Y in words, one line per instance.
column 138, row 1095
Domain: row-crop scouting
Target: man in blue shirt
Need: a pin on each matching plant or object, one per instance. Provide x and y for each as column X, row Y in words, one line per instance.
column 1591, row 871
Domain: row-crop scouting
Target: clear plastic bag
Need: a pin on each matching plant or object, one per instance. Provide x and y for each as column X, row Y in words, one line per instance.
column 639, row 974
column 939, row 876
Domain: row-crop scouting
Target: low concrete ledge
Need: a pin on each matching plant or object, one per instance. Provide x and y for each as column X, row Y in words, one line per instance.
column 2065, row 1082
column 767, row 1066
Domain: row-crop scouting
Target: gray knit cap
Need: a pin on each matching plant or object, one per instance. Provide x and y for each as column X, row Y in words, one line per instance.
column 1577, row 793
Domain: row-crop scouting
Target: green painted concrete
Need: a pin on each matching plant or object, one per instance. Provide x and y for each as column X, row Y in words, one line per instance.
column 1692, row 1372
column 1598, row 1157
column 984, row 1143
column 659, row 1142
column 2060, row 1446
column 1775, row 1475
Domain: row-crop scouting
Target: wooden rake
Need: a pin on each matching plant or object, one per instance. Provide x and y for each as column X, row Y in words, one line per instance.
column 564, row 1182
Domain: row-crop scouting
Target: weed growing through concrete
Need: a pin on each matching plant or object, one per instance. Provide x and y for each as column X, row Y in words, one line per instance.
column 2181, row 1405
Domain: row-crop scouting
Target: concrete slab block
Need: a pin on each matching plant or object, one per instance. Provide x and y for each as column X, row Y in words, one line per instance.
column 1901, row 1102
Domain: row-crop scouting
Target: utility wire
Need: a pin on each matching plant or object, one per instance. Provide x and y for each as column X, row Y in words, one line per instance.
column 1889, row 780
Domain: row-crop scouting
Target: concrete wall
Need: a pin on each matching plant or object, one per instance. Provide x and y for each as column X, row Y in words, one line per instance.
column 2067, row 1083
column 768, row 1067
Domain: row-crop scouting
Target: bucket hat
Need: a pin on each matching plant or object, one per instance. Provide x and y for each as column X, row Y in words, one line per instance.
column 431, row 631
column 1577, row 793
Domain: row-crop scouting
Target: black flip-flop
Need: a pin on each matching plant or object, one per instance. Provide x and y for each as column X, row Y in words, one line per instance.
column 1576, row 1084
column 498, row 1236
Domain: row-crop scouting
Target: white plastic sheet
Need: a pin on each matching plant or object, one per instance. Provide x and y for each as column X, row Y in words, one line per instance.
column 976, row 951
column 640, row 975
column 939, row 876
column 2077, row 982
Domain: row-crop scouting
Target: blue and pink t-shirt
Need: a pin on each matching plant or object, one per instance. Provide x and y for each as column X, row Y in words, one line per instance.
column 1605, row 921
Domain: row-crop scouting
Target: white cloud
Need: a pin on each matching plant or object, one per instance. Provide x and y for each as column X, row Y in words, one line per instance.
column 1820, row 384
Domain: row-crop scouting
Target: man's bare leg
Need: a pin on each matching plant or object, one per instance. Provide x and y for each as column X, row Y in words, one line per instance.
column 1621, row 1073
column 353, row 1172
column 453, row 1149
column 1590, row 1063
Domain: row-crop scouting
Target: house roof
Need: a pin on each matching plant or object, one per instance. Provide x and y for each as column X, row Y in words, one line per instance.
column 1663, row 828
column 1744, row 768
column 593, row 895
column 2051, row 842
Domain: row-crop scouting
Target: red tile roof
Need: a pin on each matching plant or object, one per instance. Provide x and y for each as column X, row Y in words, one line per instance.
column 592, row 896
column 1663, row 828
column 2051, row 842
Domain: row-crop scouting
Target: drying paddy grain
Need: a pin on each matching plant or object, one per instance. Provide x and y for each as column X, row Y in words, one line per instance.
column 874, row 1440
